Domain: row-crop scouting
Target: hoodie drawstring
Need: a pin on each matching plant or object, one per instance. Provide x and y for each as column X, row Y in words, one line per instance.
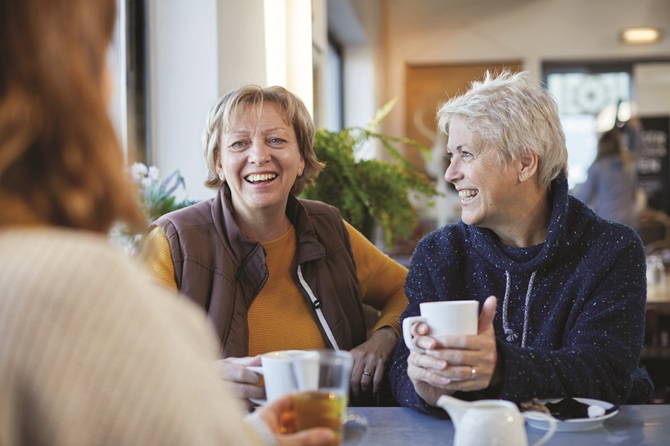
column 510, row 334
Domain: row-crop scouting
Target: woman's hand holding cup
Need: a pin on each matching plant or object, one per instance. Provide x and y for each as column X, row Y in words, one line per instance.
column 280, row 416
column 321, row 397
column 444, row 318
column 441, row 363
column 245, row 383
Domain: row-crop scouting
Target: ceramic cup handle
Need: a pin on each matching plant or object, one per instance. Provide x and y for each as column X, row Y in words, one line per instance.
column 407, row 332
column 356, row 429
column 550, row 431
column 256, row 369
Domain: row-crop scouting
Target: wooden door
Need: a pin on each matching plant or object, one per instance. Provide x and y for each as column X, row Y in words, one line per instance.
column 429, row 86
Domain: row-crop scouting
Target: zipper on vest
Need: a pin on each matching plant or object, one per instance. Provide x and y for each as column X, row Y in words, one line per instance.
column 316, row 304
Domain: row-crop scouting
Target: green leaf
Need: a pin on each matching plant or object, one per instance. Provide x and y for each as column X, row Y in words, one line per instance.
column 370, row 192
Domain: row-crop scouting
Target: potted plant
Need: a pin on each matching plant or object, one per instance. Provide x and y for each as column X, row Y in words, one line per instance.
column 156, row 198
column 372, row 192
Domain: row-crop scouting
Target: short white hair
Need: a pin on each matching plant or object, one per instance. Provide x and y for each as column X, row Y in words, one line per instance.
column 514, row 115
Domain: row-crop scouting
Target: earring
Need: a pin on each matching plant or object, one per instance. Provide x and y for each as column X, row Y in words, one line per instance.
column 221, row 176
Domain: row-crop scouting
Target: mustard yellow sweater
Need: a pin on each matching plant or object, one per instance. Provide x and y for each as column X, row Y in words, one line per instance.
column 280, row 318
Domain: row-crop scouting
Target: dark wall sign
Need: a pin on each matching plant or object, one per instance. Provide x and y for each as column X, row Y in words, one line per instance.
column 653, row 162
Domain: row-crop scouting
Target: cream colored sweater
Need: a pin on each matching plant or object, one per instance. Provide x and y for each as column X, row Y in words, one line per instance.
column 93, row 353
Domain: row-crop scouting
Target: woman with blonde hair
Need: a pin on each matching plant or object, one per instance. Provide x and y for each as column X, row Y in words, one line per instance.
column 275, row 272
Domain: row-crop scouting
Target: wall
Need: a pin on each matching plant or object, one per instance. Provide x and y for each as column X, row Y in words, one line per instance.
column 240, row 43
column 362, row 61
column 201, row 49
column 652, row 88
column 183, row 84
column 529, row 30
column 459, row 32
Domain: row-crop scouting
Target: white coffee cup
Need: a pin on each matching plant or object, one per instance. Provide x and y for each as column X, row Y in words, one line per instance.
column 277, row 372
column 454, row 317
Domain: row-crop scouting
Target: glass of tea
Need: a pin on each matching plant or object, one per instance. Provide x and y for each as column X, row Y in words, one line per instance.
column 322, row 380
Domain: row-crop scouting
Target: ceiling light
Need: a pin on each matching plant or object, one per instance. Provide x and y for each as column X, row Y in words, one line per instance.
column 640, row 35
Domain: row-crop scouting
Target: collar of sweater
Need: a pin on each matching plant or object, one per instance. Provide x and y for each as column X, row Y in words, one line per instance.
column 564, row 215
column 244, row 248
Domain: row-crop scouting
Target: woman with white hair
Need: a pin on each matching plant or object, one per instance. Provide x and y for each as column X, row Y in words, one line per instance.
column 570, row 286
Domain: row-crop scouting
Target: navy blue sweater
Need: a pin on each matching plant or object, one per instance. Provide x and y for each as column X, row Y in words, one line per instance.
column 571, row 311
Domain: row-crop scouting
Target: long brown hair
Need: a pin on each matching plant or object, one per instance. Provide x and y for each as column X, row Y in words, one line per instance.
column 59, row 154
column 610, row 144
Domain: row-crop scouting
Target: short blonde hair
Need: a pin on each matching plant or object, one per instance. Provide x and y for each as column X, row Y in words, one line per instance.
column 222, row 115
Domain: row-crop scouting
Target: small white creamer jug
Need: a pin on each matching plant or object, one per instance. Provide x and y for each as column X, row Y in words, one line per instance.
column 489, row 423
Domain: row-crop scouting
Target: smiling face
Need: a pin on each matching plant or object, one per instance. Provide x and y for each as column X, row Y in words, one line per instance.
column 260, row 160
column 486, row 189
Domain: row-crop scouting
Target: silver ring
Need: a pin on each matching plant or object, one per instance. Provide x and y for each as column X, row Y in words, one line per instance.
column 366, row 373
column 473, row 373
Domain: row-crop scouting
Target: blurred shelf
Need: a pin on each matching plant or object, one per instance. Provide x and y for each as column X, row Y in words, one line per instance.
column 655, row 353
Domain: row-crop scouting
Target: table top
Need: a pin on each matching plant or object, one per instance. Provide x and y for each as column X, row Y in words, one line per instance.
column 634, row 425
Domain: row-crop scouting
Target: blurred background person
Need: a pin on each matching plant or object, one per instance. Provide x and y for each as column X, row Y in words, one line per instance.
column 92, row 351
column 562, row 292
column 275, row 272
column 611, row 185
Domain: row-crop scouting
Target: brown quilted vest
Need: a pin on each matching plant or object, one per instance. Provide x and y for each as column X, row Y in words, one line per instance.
column 223, row 271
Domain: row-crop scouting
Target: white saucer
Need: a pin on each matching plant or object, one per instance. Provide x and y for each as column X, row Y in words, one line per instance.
column 575, row 424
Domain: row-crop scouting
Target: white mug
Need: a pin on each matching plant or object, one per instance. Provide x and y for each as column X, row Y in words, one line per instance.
column 453, row 317
column 277, row 372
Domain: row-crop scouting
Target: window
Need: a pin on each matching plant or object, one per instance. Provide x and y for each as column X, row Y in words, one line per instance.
column 137, row 90
column 591, row 100
column 127, row 63
column 333, row 107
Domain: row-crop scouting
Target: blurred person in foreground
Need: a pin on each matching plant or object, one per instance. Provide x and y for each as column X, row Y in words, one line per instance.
column 610, row 188
column 92, row 352
column 569, row 287
column 275, row 272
